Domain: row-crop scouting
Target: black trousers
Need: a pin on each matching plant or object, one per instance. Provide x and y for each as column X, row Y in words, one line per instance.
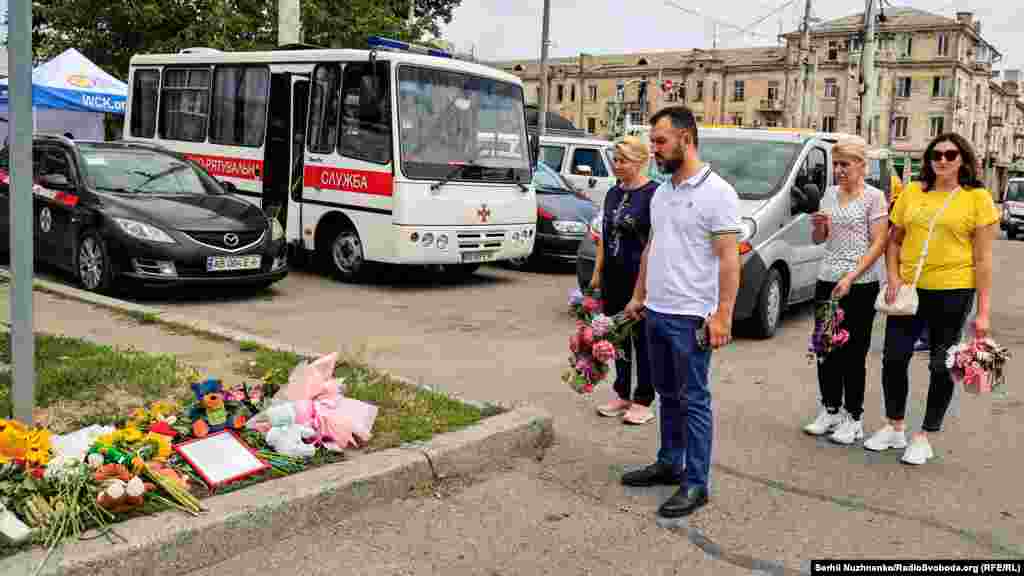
column 944, row 312
column 843, row 372
column 617, row 282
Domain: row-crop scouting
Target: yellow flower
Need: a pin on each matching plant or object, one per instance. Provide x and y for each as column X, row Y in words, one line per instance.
column 131, row 435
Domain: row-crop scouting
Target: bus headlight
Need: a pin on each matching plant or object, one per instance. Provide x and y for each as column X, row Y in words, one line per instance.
column 428, row 239
column 442, row 242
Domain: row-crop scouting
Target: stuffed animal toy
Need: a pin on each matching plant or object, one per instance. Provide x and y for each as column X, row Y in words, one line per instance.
column 286, row 435
column 211, row 413
column 121, row 490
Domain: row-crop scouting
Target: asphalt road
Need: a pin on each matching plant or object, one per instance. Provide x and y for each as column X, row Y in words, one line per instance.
column 780, row 498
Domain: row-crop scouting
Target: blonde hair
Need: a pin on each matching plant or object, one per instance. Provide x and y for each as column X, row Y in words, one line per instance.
column 850, row 147
column 633, row 149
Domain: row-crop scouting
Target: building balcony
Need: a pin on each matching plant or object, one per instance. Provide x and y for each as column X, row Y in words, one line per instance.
column 770, row 105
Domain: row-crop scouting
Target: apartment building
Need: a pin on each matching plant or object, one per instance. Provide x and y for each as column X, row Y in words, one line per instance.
column 934, row 74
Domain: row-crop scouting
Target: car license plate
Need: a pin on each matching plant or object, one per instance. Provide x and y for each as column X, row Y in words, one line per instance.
column 223, row 263
column 473, row 257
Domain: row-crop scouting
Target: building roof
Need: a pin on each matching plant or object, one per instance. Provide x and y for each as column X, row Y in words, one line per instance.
column 653, row 59
column 895, row 17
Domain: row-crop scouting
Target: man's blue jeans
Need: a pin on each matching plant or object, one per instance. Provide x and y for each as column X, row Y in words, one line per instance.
column 679, row 372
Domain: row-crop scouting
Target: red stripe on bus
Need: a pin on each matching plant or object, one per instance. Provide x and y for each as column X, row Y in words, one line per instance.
column 346, row 180
column 226, row 167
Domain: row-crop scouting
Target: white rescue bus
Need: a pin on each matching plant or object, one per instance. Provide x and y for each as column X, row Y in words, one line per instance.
column 437, row 172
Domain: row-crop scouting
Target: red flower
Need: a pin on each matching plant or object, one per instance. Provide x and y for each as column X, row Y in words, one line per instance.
column 574, row 343
column 37, row 473
column 591, row 305
column 587, row 336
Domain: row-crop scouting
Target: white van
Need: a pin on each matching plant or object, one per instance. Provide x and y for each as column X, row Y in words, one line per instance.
column 585, row 162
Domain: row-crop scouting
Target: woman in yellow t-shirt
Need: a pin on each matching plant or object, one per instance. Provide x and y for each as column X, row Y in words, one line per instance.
column 957, row 267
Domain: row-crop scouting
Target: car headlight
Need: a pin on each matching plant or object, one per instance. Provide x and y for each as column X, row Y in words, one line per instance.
column 276, row 230
column 748, row 228
column 569, row 227
column 143, row 231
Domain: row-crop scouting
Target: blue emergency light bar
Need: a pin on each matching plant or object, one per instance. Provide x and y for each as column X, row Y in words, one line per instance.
column 390, row 44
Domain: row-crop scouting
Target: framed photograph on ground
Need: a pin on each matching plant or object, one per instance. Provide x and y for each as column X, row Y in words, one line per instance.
column 221, row 458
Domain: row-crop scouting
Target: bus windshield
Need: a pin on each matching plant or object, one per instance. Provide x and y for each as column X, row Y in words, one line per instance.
column 450, row 119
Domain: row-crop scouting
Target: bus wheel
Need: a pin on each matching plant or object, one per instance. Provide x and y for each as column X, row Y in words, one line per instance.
column 344, row 255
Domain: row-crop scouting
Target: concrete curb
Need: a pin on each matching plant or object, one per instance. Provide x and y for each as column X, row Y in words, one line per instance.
column 259, row 515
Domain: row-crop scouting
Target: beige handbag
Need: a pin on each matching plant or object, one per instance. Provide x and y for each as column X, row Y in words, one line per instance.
column 906, row 301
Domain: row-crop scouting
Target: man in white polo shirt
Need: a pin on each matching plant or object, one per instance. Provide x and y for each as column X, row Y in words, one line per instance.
column 686, row 290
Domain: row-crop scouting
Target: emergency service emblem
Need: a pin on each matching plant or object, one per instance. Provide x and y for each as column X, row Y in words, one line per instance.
column 45, row 219
column 484, row 213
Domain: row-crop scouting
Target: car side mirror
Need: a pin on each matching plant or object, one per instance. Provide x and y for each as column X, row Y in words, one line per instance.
column 592, row 182
column 229, row 186
column 812, row 198
column 56, row 182
column 534, row 148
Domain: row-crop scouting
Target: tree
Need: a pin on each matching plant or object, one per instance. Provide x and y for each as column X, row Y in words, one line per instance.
column 110, row 33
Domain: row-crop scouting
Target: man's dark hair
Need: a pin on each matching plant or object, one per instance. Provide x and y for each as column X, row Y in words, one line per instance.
column 681, row 117
column 968, row 176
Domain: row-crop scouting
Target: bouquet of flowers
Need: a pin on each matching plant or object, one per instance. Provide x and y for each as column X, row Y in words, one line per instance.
column 828, row 333
column 583, row 306
column 978, row 365
column 596, row 343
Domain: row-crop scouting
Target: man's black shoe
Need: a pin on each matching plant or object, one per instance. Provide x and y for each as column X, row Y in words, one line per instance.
column 653, row 475
column 684, row 502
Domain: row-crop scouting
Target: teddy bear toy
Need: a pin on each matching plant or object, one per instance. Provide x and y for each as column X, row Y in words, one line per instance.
column 211, row 413
column 286, row 435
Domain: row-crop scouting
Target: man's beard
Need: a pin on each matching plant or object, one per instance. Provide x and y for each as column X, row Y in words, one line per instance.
column 671, row 165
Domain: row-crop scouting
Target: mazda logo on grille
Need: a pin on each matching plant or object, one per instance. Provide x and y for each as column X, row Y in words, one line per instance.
column 231, row 239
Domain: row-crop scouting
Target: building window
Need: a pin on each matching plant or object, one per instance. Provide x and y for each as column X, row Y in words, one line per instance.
column 698, row 94
column 875, row 127
column 943, row 48
column 907, row 46
column 974, row 134
column 737, row 92
column 899, row 126
column 682, row 92
column 572, row 93
column 977, row 95
column 714, row 92
column 538, row 94
column 942, row 87
column 833, row 50
column 935, row 126
column 856, row 45
column 592, row 125
column 773, row 91
column 635, row 118
column 239, row 110
column 738, row 119
column 146, row 87
column 593, row 93
column 185, row 104
column 903, row 87
column 771, row 123
column 828, row 124
column 561, row 92
column 831, row 90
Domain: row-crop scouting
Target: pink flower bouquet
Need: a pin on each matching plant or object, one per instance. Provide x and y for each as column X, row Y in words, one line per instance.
column 828, row 332
column 978, row 365
column 583, row 306
column 595, row 345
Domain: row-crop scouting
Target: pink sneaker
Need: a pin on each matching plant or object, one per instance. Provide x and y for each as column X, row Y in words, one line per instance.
column 616, row 407
column 638, row 414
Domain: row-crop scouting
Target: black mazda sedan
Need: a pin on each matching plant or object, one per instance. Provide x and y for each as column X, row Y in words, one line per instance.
column 117, row 212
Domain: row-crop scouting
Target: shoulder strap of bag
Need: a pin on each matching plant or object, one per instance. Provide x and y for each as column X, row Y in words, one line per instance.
column 931, row 228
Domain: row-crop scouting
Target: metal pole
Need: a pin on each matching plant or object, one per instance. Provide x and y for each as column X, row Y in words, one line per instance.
column 869, row 73
column 20, row 89
column 542, row 115
column 582, row 84
column 804, row 62
column 289, row 22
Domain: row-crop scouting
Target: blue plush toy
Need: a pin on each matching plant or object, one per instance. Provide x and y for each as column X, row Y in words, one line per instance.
column 209, row 413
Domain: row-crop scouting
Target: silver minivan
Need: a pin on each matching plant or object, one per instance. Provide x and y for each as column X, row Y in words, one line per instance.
column 585, row 162
column 780, row 177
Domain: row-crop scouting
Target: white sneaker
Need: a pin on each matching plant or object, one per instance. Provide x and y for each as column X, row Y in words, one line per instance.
column 824, row 423
column 848, row 432
column 919, row 452
column 887, row 437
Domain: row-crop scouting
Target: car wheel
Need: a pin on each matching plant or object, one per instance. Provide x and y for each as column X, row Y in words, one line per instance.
column 92, row 263
column 344, row 255
column 770, row 305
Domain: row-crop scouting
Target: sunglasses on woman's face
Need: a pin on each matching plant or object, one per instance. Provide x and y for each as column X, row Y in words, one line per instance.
column 948, row 155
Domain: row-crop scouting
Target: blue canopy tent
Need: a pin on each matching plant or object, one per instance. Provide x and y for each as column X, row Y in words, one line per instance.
column 70, row 94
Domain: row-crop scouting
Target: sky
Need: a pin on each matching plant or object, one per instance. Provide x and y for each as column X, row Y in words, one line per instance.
column 511, row 29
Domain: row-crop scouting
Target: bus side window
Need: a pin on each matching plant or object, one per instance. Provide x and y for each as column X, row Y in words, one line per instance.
column 366, row 135
column 323, row 109
column 145, row 85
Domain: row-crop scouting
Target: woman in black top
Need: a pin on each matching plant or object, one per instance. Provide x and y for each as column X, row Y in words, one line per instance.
column 625, row 228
